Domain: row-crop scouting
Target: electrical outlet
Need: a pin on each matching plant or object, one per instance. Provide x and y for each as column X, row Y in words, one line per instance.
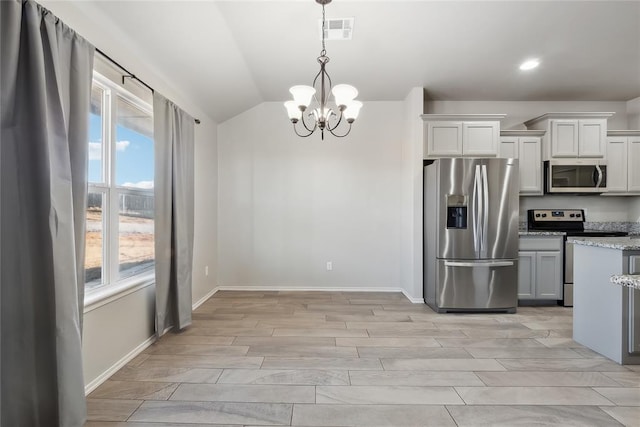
column 329, row 266
column 206, row 270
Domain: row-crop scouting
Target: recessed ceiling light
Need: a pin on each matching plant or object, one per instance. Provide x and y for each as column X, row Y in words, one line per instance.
column 529, row 64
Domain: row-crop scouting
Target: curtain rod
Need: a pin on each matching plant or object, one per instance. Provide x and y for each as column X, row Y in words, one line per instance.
column 130, row 75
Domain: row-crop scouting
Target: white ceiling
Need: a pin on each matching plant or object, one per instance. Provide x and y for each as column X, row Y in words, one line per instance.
column 228, row 56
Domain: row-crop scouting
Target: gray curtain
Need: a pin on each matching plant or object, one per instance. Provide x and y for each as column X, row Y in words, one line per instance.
column 173, row 134
column 45, row 79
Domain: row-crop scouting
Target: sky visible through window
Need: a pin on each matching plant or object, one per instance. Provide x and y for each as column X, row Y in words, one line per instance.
column 134, row 152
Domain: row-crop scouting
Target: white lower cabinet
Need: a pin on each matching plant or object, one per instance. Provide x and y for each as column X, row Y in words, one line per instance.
column 540, row 268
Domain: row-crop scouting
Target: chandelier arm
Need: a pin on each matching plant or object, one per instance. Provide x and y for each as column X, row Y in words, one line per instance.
column 336, row 125
column 304, row 123
column 340, row 136
column 295, row 129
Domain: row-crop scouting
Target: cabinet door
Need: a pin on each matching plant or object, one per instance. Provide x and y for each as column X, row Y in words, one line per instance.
column 531, row 165
column 617, row 164
column 592, row 138
column 548, row 274
column 480, row 138
column 633, row 165
column 564, row 138
column 444, row 138
column 526, row 275
column 509, row 147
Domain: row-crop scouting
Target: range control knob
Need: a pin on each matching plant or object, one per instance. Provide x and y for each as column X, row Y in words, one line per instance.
column 544, row 215
column 572, row 215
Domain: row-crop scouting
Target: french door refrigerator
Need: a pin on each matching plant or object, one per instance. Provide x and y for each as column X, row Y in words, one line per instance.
column 471, row 234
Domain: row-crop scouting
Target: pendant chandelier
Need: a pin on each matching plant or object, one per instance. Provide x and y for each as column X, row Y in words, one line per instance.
column 323, row 117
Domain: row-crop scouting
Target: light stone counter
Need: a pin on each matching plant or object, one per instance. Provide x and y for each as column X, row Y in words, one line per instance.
column 629, row 280
column 541, row 233
column 628, row 243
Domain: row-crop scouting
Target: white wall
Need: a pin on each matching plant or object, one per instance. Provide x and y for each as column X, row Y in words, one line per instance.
column 288, row 205
column 634, row 209
column 519, row 112
column 116, row 330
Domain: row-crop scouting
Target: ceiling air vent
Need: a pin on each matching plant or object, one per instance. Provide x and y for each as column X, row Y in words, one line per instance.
column 336, row 29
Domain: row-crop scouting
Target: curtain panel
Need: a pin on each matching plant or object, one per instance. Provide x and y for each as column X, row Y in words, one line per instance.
column 174, row 139
column 45, row 77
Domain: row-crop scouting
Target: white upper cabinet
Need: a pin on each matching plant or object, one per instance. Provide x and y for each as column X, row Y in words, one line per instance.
column 526, row 146
column 454, row 135
column 623, row 160
column 572, row 135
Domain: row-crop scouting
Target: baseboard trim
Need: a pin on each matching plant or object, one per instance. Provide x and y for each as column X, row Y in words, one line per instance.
column 118, row 365
column 412, row 299
column 204, row 298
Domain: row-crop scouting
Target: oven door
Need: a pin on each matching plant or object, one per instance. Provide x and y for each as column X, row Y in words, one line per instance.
column 575, row 176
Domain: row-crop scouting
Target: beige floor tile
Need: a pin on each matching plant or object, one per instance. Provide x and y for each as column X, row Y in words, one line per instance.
column 134, row 424
column 199, row 349
column 415, row 378
column 171, row 339
column 321, row 363
column 302, row 351
column 621, row 396
column 554, row 325
column 285, row 376
column 246, row 393
column 625, row 378
column 230, row 332
column 490, row 342
column 441, row 365
column 391, row 317
column 509, row 416
column 531, row 396
column 243, row 323
column 387, row 395
column 266, row 414
column 138, row 360
column 182, row 361
column 183, row 375
column 390, row 326
column 300, row 323
column 285, row 341
column 387, row 342
column 587, row 353
column 414, row 352
column 559, row 342
column 139, row 390
column 627, row 415
column 504, row 333
column 523, row 353
column 110, row 409
column 541, row 379
column 592, row 365
column 309, row 332
column 414, row 333
column 371, row 415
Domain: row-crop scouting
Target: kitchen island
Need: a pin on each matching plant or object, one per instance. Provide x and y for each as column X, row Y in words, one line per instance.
column 606, row 314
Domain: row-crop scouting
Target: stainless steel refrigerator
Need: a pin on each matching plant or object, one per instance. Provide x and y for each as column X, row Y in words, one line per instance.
column 471, row 234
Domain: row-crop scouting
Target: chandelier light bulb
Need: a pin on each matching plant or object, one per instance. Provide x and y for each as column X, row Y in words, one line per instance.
column 293, row 111
column 302, row 95
column 344, row 94
column 352, row 111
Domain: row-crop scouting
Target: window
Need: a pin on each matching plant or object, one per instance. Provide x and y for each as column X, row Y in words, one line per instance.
column 119, row 239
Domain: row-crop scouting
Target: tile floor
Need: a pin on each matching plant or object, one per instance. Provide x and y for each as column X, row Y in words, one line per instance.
column 366, row 359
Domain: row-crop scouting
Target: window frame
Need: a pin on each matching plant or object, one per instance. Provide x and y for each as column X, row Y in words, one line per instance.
column 112, row 286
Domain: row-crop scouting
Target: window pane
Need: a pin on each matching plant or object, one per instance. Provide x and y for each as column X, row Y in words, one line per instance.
column 134, row 146
column 135, row 240
column 93, row 252
column 95, row 136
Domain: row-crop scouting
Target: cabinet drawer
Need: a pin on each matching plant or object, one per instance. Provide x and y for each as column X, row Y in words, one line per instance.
column 541, row 243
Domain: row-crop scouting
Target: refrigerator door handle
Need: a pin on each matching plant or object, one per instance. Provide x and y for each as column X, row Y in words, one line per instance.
column 485, row 209
column 478, row 264
column 476, row 209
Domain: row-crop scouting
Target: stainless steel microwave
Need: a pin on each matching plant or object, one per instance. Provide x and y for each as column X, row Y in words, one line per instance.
column 575, row 176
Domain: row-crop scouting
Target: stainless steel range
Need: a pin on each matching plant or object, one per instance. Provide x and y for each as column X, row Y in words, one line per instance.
column 570, row 222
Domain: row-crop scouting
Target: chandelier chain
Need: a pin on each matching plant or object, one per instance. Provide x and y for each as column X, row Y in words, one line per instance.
column 323, row 52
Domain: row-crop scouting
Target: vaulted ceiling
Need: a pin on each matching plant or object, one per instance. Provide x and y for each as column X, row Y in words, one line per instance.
column 228, row 56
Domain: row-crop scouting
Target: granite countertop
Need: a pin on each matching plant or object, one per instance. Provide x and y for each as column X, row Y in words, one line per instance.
column 621, row 243
column 541, row 233
column 630, row 280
